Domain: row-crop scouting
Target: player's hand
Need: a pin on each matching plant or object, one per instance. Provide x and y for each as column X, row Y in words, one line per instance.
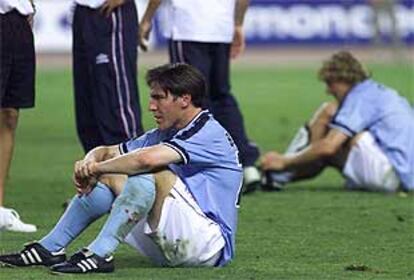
column 85, row 175
column 87, row 169
column 30, row 20
column 144, row 31
column 110, row 5
column 84, row 186
column 238, row 44
column 272, row 161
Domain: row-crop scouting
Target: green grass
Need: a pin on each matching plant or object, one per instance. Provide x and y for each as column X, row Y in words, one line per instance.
column 313, row 230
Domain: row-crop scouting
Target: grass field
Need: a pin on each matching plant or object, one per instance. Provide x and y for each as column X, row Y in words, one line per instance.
column 313, row 230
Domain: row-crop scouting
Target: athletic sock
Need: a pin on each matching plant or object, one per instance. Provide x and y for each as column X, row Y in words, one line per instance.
column 82, row 211
column 299, row 142
column 134, row 203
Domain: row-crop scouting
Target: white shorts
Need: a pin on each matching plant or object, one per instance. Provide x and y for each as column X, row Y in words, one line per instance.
column 368, row 168
column 185, row 235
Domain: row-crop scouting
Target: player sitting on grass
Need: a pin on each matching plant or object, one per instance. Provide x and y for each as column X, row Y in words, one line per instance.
column 367, row 133
column 178, row 204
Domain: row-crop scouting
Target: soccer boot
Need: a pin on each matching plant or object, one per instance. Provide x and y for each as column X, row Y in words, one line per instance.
column 10, row 221
column 33, row 254
column 273, row 180
column 85, row 261
column 251, row 179
column 276, row 180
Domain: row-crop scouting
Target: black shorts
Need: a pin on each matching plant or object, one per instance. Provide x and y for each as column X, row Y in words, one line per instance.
column 17, row 62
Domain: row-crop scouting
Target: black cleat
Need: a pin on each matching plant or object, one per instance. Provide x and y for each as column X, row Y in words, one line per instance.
column 270, row 183
column 33, row 254
column 85, row 261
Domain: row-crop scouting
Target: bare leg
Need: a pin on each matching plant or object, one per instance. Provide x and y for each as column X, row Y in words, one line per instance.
column 317, row 128
column 114, row 182
column 8, row 124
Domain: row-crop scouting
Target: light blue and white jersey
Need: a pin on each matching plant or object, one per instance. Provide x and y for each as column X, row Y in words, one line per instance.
column 210, row 168
column 372, row 107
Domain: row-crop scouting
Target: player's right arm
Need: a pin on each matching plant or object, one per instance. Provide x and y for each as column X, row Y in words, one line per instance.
column 142, row 160
column 326, row 147
column 97, row 154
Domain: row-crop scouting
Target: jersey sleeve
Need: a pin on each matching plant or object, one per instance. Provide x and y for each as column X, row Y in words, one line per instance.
column 354, row 115
column 148, row 139
column 196, row 150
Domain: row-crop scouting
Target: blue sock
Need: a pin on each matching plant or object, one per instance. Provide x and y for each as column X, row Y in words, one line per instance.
column 81, row 212
column 134, row 202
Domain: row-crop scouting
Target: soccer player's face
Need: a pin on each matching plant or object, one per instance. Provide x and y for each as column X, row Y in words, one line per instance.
column 165, row 107
column 337, row 89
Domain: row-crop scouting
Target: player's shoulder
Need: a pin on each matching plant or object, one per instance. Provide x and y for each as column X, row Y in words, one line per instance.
column 203, row 127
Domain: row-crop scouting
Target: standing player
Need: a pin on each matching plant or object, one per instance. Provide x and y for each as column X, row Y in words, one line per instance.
column 386, row 10
column 17, row 78
column 206, row 34
column 179, row 204
column 105, row 71
column 367, row 134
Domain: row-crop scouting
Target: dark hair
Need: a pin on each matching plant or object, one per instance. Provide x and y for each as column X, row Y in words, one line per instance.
column 179, row 79
column 343, row 67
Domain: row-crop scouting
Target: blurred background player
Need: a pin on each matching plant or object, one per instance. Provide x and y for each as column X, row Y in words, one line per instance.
column 17, row 90
column 206, row 34
column 105, row 72
column 367, row 134
column 385, row 23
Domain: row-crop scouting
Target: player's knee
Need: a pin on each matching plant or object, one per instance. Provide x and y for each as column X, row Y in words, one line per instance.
column 9, row 118
column 137, row 196
column 114, row 182
column 164, row 179
column 327, row 111
column 324, row 114
column 330, row 108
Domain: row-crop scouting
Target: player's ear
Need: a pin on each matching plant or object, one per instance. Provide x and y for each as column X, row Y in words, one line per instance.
column 186, row 100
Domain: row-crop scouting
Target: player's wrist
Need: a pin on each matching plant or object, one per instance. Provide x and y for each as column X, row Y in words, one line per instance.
column 286, row 162
column 238, row 27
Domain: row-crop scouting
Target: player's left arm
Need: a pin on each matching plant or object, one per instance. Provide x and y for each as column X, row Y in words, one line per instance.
column 324, row 148
column 145, row 25
column 238, row 44
column 139, row 161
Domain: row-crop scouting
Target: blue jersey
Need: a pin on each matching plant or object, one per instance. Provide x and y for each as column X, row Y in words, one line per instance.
column 372, row 107
column 210, row 169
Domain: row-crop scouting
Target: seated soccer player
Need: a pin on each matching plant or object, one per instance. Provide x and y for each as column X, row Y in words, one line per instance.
column 367, row 133
column 171, row 193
